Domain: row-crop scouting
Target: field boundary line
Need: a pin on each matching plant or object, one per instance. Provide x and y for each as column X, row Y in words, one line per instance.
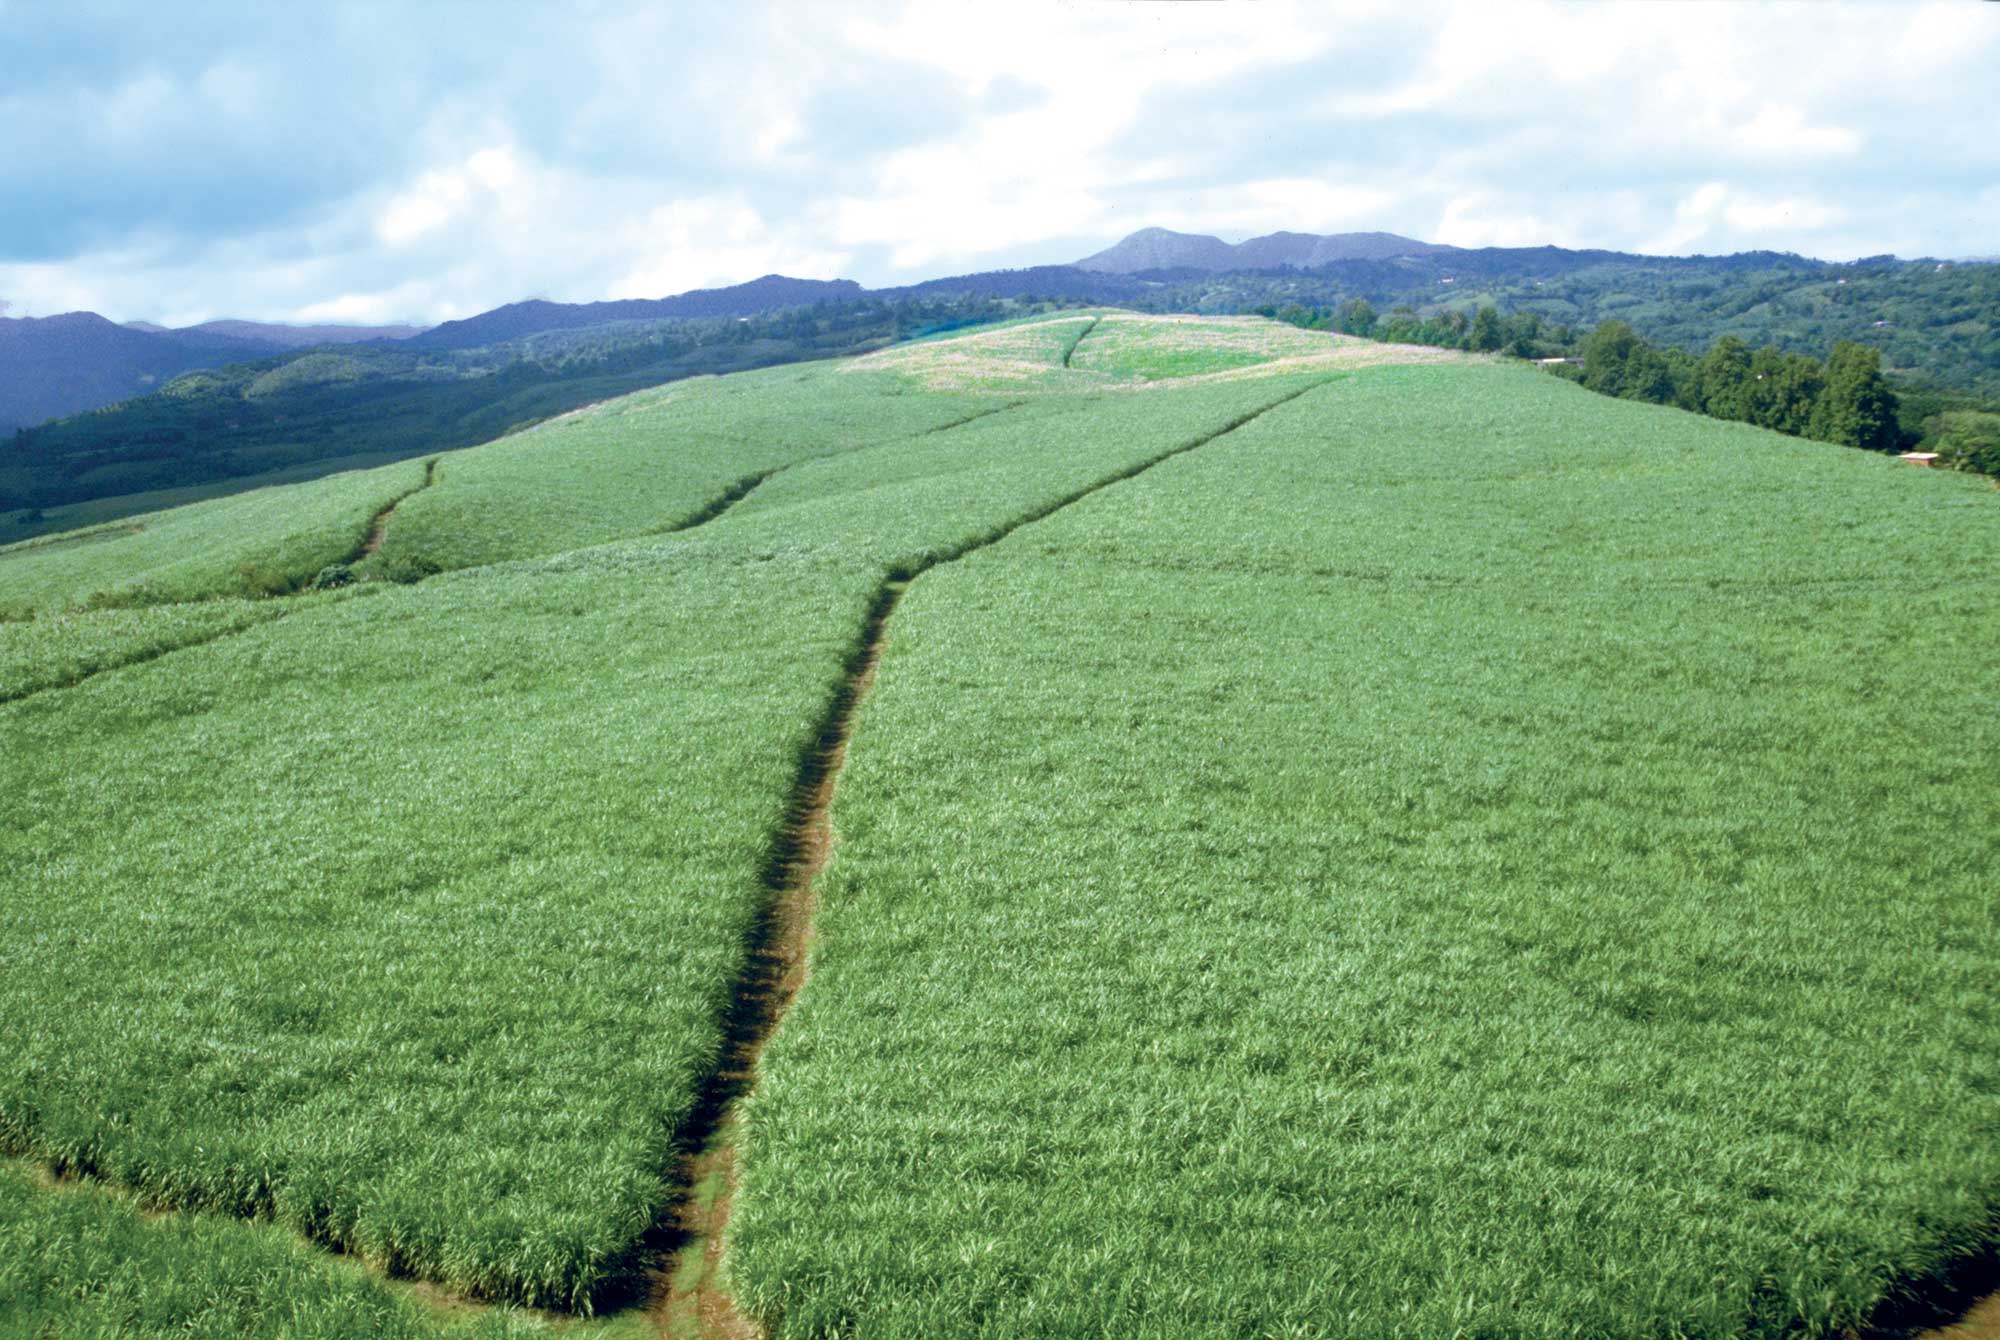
column 688, row 1298
column 714, row 508
column 378, row 529
column 143, row 658
column 1070, row 352
column 378, row 526
column 371, row 542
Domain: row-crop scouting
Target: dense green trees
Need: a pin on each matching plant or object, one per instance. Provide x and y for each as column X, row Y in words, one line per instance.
column 1857, row 408
column 1935, row 322
column 1846, row 400
column 1722, row 379
column 1616, row 362
column 1966, row 439
column 1485, row 336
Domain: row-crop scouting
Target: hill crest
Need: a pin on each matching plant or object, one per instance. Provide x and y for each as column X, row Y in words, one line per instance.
column 1164, row 249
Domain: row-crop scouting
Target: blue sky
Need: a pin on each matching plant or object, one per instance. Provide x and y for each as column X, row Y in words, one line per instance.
column 376, row 162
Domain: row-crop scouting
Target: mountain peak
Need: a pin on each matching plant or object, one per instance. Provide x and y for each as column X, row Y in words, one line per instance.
column 1164, row 249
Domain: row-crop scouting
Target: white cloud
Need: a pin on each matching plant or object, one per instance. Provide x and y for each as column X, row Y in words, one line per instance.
column 1778, row 131
column 704, row 147
column 1046, row 169
column 1716, row 213
column 1787, row 216
column 706, row 243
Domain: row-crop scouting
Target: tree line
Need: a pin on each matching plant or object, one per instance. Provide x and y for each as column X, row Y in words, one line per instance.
column 1846, row 399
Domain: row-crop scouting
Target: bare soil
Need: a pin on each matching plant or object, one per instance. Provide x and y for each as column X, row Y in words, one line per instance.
column 689, row 1299
column 1981, row 1323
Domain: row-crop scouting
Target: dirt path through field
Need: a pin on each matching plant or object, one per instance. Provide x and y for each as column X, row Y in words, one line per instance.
column 1979, row 1323
column 1070, row 352
column 689, row 1302
column 378, row 529
column 1982, row 1323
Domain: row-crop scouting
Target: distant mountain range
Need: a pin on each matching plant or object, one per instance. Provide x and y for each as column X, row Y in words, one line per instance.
column 282, row 336
column 55, row 366
column 61, row 365
column 531, row 317
column 58, row 365
column 1160, row 249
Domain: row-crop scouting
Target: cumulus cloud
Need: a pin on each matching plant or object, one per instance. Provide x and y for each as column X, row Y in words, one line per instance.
column 357, row 162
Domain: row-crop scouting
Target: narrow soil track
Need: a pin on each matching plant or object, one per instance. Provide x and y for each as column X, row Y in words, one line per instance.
column 1964, row 1304
column 378, row 529
column 1070, row 352
column 714, row 508
column 689, row 1302
column 1981, row 1323
column 152, row 654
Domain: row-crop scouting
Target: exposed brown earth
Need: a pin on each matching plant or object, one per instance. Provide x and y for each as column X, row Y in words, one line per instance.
column 1981, row 1323
column 378, row 529
column 691, row 1301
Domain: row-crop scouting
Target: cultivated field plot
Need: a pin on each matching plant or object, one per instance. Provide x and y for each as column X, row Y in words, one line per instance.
column 262, row 543
column 1111, row 350
column 1453, row 857
column 409, row 918
column 1331, row 850
column 650, row 463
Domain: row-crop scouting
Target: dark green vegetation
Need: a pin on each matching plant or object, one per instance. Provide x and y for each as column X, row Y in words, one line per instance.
column 58, row 365
column 1332, row 849
column 1937, row 324
column 1846, row 400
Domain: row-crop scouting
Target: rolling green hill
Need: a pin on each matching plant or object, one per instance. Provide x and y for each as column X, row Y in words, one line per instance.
column 231, row 422
column 240, row 425
column 1103, row 824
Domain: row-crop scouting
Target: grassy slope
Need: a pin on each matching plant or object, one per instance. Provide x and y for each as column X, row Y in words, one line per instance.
column 637, row 466
column 62, row 649
column 21, row 525
column 81, row 1261
column 261, row 543
column 650, row 462
column 407, row 920
column 1453, row 857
